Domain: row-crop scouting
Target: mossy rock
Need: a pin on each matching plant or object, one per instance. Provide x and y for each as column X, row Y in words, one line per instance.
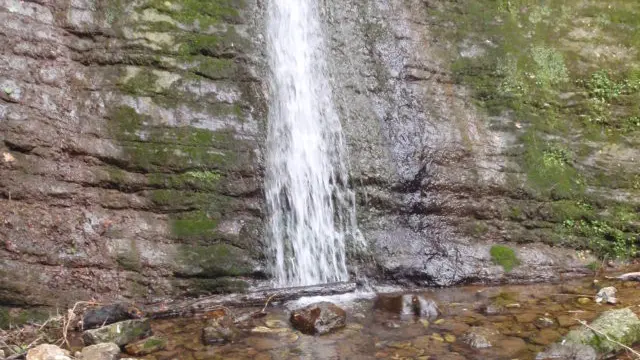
column 120, row 333
column 213, row 261
column 621, row 325
column 505, row 257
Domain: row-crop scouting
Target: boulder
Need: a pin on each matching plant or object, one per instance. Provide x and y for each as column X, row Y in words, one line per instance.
column 146, row 346
column 105, row 315
column 607, row 295
column 320, row 318
column 48, row 352
column 623, row 325
column 120, row 333
column 104, row 351
column 568, row 351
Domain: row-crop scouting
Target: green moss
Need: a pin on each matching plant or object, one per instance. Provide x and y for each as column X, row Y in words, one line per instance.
column 214, row 68
column 196, row 225
column 12, row 317
column 504, row 256
column 198, row 12
column 190, row 180
column 215, row 260
column 154, row 343
column 142, row 83
column 550, row 169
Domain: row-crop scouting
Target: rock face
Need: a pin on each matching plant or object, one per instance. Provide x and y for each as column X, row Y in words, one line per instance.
column 132, row 135
column 47, row 352
column 130, row 139
column 120, row 333
column 319, row 319
column 104, row 351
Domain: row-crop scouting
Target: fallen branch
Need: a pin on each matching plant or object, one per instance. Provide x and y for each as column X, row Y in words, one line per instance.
column 637, row 354
column 634, row 276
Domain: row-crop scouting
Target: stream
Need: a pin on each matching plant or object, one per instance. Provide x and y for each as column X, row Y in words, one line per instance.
column 521, row 321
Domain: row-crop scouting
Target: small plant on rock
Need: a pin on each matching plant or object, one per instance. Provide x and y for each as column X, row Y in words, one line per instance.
column 505, row 257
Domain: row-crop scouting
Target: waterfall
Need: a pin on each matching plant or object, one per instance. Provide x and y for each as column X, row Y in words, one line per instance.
column 311, row 208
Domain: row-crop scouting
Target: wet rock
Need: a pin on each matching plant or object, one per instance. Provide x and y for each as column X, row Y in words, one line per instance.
column 511, row 346
column 545, row 337
column 104, row 351
column 566, row 321
column 622, row 324
column 408, row 305
column 607, row 295
column 568, row 351
column 146, row 346
column 544, row 322
column 120, row 333
column 526, row 317
column 109, row 314
column 48, row 352
column 320, row 318
column 583, row 301
column 220, row 330
column 480, row 337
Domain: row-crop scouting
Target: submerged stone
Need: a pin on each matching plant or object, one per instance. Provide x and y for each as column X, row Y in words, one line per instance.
column 219, row 331
column 607, row 295
column 480, row 337
column 320, row 318
column 568, row 351
column 408, row 305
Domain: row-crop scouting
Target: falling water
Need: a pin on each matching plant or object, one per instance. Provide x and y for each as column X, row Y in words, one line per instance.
column 312, row 211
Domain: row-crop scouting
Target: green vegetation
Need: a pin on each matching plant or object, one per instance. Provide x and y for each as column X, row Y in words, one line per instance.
column 566, row 73
column 504, row 256
column 202, row 13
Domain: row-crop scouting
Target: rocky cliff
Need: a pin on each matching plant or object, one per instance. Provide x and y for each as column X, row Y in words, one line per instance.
column 131, row 137
column 132, row 141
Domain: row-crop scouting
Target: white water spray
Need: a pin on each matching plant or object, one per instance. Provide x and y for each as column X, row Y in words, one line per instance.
column 311, row 208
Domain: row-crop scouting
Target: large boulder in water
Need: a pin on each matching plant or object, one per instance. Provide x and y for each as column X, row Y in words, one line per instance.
column 104, row 351
column 320, row 318
column 623, row 325
column 587, row 343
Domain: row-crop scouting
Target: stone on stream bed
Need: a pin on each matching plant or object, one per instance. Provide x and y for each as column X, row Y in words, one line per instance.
column 480, row 337
column 408, row 305
column 48, row 352
column 219, row 331
column 103, row 351
column 120, row 333
column 320, row 318
column 607, row 295
column 146, row 346
column 568, row 351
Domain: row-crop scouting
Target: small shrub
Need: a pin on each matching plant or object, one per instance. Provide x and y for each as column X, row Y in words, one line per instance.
column 504, row 256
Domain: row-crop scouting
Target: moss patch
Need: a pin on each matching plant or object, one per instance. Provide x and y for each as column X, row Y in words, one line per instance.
column 504, row 256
